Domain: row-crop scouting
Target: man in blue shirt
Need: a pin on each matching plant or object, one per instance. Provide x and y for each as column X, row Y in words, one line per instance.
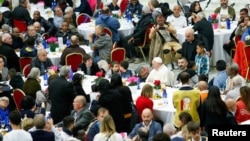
column 221, row 77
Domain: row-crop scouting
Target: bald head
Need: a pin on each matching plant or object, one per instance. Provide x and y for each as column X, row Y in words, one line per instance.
column 177, row 10
column 202, row 85
column 189, row 33
column 147, row 116
column 231, row 104
column 74, row 40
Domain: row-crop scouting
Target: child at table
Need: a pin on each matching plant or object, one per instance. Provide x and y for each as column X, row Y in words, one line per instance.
column 202, row 61
column 114, row 68
column 125, row 72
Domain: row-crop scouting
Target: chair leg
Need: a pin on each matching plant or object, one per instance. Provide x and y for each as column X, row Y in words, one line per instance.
column 144, row 57
column 247, row 74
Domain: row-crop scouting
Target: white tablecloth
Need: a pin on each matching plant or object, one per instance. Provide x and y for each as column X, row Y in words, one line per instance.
column 45, row 13
column 163, row 112
column 86, row 29
column 56, row 56
column 221, row 36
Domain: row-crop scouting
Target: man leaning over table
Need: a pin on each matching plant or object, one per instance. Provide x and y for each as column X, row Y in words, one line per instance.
column 73, row 48
column 41, row 61
column 225, row 11
column 101, row 44
column 107, row 21
column 160, row 72
column 186, row 99
column 147, row 122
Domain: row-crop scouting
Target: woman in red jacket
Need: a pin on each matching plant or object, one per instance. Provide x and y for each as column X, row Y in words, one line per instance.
column 145, row 101
column 243, row 105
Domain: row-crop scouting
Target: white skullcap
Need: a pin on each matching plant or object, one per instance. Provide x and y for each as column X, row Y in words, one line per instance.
column 158, row 60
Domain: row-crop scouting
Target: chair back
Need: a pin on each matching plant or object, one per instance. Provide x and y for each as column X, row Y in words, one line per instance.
column 118, row 54
column 247, row 57
column 18, row 96
column 108, row 31
column 45, row 36
column 23, row 61
column 20, row 24
column 236, row 39
column 123, row 5
column 146, row 37
column 26, row 70
column 74, row 60
column 83, row 18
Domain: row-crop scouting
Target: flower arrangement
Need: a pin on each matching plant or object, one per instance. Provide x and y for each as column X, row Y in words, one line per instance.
column 157, row 84
column 214, row 18
column 52, row 43
column 132, row 81
column 99, row 77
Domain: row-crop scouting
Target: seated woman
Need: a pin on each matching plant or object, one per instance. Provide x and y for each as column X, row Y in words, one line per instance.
column 144, row 101
column 77, row 83
column 163, row 39
column 32, row 84
column 3, row 69
column 30, row 49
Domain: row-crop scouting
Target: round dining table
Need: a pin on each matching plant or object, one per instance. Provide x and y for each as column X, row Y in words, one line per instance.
column 126, row 28
column 221, row 36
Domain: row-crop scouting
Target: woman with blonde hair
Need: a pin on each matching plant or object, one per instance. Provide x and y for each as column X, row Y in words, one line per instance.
column 108, row 131
column 145, row 101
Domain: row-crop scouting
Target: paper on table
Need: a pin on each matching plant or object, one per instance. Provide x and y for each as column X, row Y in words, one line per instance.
column 60, row 41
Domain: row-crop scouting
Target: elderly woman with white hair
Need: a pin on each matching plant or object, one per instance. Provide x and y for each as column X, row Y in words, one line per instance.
column 32, row 83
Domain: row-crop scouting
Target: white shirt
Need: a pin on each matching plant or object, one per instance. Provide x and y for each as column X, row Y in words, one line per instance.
column 103, row 137
column 163, row 74
column 17, row 135
column 177, row 22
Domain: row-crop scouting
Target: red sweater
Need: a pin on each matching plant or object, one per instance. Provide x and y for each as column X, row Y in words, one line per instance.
column 241, row 112
column 142, row 103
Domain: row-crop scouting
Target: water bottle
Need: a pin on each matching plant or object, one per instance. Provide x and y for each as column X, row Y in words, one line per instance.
column 165, row 97
column 70, row 74
column 228, row 23
column 209, row 19
column 45, row 79
column 68, row 42
column 138, row 83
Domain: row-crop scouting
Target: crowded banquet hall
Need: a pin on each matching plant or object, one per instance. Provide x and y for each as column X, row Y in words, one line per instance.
column 124, row 70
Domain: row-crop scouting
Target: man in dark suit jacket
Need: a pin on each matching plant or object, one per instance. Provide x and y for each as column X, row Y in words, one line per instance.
column 20, row 12
column 137, row 37
column 61, row 94
column 40, row 134
column 7, row 50
column 88, row 66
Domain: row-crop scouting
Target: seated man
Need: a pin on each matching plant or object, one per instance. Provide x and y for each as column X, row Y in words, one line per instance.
column 235, row 92
column 29, row 50
column 107, row 21
column 4, row 111
column 88, row 66
column 190, row 98
column 41, row 133
column 148, row 122
column 101, row 44
column 225, row 11
column 160, row 72
column 204, row 28
column 31, row 32
column 73, row 48
column 41, row 61
column 142, row 72
column 220, row 79
column 163, row 39
column 114, row 5
column 64, row 32
column 182, row 63
column 17, row 39
column 47, row 26
column 84, row 7
column 131, row 41
column 188, row 49
column 38, row 28
column 176, row 19
column 58, row 18
column 134, row 8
